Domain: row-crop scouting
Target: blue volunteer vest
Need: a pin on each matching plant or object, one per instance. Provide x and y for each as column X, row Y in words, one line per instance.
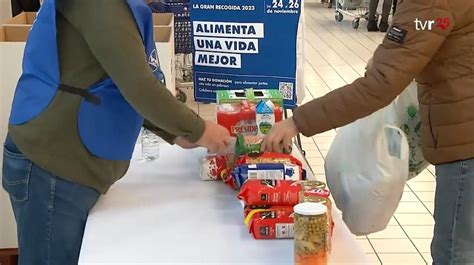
column 108, row 125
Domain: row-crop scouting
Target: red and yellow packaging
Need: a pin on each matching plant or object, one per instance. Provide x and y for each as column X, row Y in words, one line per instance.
column 249, row 209
column 276, row 223
column 270, row 192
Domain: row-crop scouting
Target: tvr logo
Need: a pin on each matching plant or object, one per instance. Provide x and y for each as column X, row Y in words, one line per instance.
column 441, row 23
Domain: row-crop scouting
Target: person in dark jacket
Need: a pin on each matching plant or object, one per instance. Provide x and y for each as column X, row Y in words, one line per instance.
column 19, row 6
column 383, row 26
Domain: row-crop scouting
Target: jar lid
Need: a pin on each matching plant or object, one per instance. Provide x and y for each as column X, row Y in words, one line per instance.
column 310, row 208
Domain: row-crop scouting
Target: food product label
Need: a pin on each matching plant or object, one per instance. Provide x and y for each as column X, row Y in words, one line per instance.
column 293, row 172
column 285, row 231
column 245, row 44
column 266, row 174
column 247, row 127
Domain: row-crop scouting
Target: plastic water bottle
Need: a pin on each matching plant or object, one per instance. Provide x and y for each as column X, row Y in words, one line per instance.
column 150, row 145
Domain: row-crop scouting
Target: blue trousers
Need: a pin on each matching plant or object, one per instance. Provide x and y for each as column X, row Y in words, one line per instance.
column 453, row 242
column 50, row 212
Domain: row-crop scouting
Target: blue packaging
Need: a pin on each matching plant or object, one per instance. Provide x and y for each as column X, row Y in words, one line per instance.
column 273, row 171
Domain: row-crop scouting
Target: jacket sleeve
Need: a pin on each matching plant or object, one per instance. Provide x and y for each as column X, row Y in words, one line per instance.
column 403, row 54
column 111, row 33
column 169, row 138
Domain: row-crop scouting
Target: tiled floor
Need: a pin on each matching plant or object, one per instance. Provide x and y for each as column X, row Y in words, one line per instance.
column 336, row 54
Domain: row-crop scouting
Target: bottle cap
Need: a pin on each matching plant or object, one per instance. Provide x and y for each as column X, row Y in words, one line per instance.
column 310, row 208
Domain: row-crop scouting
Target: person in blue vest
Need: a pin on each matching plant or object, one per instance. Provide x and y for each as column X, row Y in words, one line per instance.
column 91, row 79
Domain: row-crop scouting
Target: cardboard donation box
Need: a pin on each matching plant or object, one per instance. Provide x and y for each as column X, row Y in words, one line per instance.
column 17, row 28
column 163, row 26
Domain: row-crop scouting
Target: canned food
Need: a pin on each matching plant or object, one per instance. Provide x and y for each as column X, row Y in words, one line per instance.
column 311, row 234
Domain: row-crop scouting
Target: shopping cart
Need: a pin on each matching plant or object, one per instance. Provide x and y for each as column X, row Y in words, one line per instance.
column 357, row 9
column 184, row 75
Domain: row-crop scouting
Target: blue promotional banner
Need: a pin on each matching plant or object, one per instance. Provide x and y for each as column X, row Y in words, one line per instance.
column 245, row 44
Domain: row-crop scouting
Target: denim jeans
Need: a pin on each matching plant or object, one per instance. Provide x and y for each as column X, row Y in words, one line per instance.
column 453, row 241
column 50, row 212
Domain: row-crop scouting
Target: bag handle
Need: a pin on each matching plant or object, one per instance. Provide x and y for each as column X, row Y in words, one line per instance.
column 404, row 151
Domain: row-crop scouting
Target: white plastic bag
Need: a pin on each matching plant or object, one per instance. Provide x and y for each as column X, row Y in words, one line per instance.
column 366, row 171
column 408, row 119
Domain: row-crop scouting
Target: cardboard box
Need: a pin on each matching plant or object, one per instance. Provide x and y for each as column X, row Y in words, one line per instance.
column 164, row 39
column 17, row 28
column 163, row 19
column 163, row 25
column 15, row 33
column 24, row 18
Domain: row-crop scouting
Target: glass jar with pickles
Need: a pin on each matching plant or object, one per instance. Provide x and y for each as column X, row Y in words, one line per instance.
column 316, row 191
column 311, row 234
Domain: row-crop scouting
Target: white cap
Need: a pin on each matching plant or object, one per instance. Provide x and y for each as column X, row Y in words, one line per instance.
column 310, row 208
column 226, row 107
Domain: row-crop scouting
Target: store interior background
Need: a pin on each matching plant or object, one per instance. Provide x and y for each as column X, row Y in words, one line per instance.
column 336, row 54
column 5, row 10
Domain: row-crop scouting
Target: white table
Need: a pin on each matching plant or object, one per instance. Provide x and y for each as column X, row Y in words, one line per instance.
column 162, row 213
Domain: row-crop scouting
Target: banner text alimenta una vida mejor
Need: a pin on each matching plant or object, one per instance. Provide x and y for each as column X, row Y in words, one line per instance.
column 220, row 44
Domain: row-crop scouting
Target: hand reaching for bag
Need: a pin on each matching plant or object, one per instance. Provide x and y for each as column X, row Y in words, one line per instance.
column 280, row 136
column 215, row 138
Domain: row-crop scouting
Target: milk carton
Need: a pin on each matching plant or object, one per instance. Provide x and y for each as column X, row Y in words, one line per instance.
column 265, row 116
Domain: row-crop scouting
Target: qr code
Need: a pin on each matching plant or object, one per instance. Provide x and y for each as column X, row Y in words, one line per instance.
column 286, row 89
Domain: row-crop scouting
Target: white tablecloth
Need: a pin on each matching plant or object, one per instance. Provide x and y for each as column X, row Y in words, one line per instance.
column 162, row 213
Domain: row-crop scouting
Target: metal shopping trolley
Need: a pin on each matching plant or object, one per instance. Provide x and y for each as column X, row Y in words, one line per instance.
column 357, row 9
column 184, row 75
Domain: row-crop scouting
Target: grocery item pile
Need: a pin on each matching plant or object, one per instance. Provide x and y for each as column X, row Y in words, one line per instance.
column 269, row 185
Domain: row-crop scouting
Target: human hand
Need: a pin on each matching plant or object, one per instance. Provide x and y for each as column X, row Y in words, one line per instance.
column 181, row 142
column 215, row 138
column 280, row 137
column 369, row 64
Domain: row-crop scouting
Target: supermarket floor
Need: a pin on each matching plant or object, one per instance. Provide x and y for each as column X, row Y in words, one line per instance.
column 336, row 54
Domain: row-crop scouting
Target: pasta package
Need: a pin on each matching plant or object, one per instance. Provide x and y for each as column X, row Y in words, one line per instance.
column 265, row 172
column 248, row 209
column 268, row 158
column 270, row 192
column 274, row 223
